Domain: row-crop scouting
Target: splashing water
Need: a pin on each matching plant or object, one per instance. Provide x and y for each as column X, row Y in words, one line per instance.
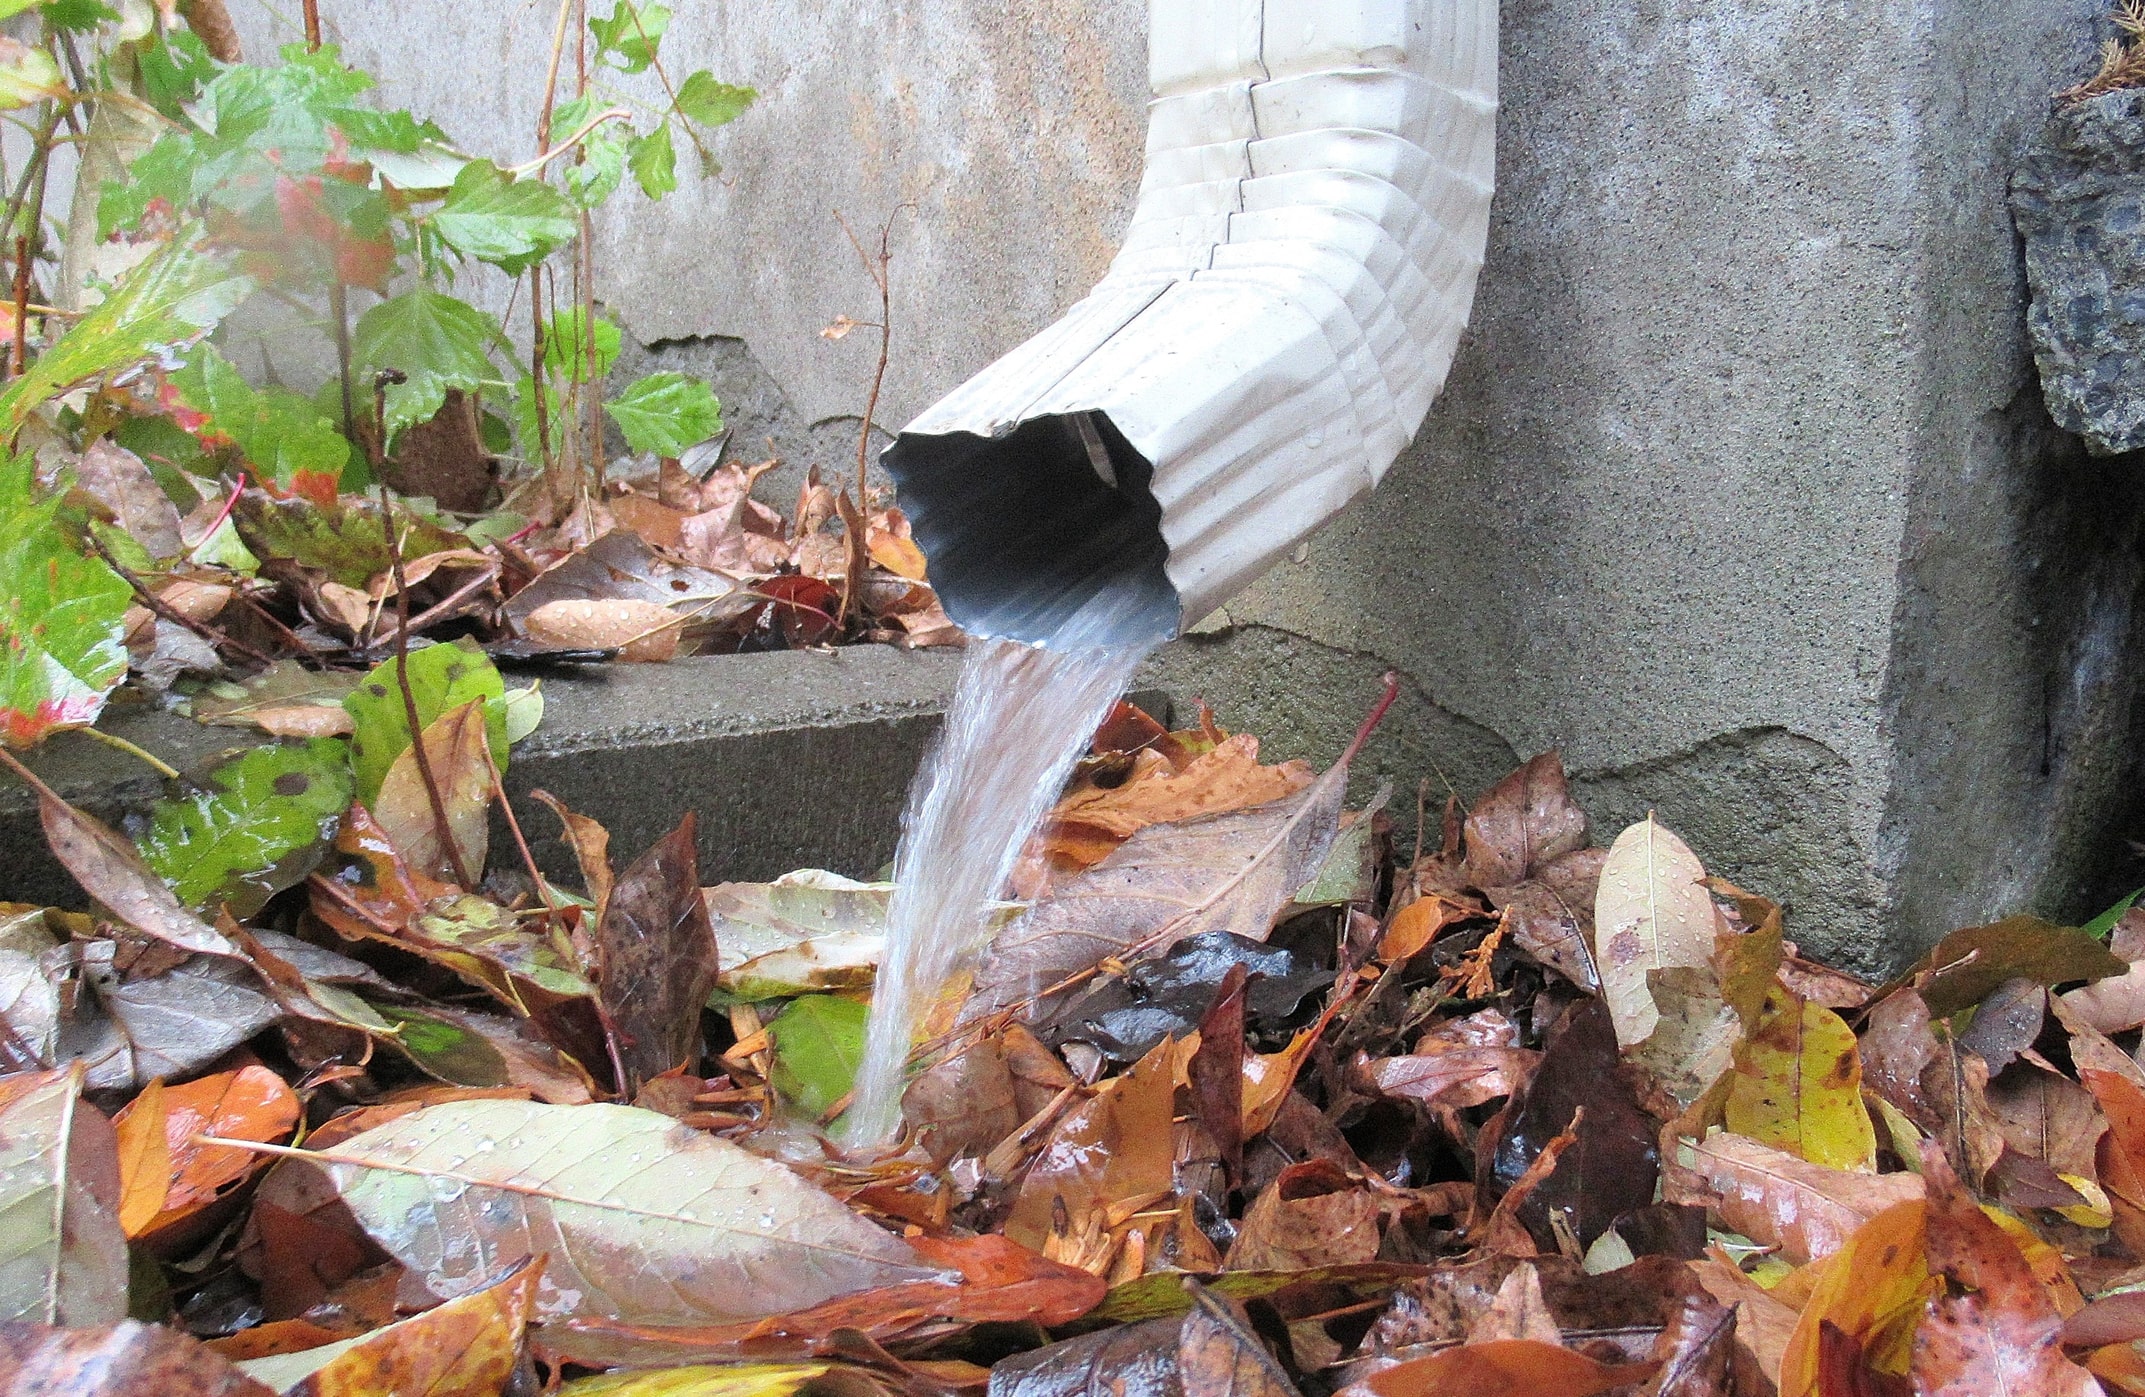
column 1020, row 718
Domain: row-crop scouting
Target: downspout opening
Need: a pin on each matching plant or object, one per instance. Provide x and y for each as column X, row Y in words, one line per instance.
column 1049, row 533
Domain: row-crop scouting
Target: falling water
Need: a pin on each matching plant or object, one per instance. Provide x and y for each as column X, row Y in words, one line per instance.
column 1020, row 718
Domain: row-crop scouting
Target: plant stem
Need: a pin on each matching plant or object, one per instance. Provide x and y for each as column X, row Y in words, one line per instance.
column 528, row 860
column 440, row 824
column 551, row 75
column 165, row 610
column 339, row 321
column 312, row 26
column 119, row 744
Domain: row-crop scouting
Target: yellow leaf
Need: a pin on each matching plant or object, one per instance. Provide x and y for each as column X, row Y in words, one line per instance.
column 1872, row 1290
column 144, row 1159
column 1797, row 1086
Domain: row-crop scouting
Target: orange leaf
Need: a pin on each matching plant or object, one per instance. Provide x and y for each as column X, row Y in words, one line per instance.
column 252, row 1103
column 1503, row 1368
column 1088, row 823
column 1111, row 1148
column 144, row 1159
column 1872, row 1291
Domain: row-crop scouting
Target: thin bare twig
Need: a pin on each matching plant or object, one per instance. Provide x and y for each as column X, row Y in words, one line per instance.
column 853, row 574
column 141, row 754
column 441, row 607
column 440, row 822
column 312, row 26
column 166, row 610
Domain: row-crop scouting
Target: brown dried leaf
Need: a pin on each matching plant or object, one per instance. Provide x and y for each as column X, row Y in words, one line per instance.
column 640, row 631
column 1110, row 1149
column 656, row 960
column 459, row 748
column 1088, row 823
column 127, row 1357
column 119, row 481
column 2117, row 1004
column 1312, row 1215
column 1507, row 1368
column 111, row 870
column 468, row 1347
column 1218, row 1354
column 1522, row 823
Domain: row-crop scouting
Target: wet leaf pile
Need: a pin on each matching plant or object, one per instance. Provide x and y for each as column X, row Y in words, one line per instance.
column 1244, row 1101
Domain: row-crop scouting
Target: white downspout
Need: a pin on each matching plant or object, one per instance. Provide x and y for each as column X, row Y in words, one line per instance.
column 1284, row 308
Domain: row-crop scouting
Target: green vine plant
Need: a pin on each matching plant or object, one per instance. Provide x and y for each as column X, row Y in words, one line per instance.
column 207, row 183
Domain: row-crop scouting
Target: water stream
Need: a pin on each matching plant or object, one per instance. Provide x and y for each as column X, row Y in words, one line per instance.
column 1021, row 716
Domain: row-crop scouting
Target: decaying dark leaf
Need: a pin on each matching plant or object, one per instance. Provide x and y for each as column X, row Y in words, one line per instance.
column 656, row 959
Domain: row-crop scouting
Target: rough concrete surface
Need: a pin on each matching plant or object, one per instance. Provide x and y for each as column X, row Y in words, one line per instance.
column 2080, row 204
column 1740, row 494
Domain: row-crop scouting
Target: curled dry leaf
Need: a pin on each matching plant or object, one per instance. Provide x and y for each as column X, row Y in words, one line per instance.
column 1087, row 824
column 1651, row 911
column 1523, row 823
column 643, row 1219
column 110, row 869
column 251, row 1103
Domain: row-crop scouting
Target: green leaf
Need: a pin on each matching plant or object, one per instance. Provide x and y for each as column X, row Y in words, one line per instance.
column 26, row 74
column 441, row 677
column 599, row 174
column 2103, row 926
column 277, row 431
column 713, row 103
column 655, row 162
column 819, row 1042
column 173, row 297
column 666, row 413
column 61, row 646
column 566, row 347
column 165, row 171
column 631, row 34
column 510, row 223
column 438, row 341
column 80, row 16
column 11, row 8
column 253, row 826
column 348, row 542
column 174, row 67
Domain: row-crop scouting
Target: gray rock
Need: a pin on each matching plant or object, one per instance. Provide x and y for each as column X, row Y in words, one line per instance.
column 2078, row 201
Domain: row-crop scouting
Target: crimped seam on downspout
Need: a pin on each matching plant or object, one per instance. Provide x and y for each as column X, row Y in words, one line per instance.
column 1283, row 310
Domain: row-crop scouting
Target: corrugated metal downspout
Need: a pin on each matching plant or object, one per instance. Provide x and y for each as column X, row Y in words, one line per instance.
column 1294, row 281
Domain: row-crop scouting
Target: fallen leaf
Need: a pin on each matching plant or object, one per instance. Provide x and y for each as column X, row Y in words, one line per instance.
column 119, row 481
column 1612, row 1165
column 251, row 1103
column 1773, row 1198
column 1219, row 1355
column 1087, row 824
column 643, row 1219
column 458, row 745
column 1522, row 823
column 251, row 826
column 1797, row 1086
column 1697, row 1036
column 1992, row 1327
column 2116, row 1004
column 1517, row 1312
column 640, row 631
column 126, row 1357
column 1872, row 1291
column 1313, row 1215
column 1505, row 1368
column 1652, row 912
column 1113, row 1147
column 144, row 1159
column 110, row 869
column 818, row 1045
column 304, row 720
column 441, row 679
column 1967, row 966
column 1229, row 872
column 467, row 1347
column 63, row 1255
column 591, row 845
column 656, row 958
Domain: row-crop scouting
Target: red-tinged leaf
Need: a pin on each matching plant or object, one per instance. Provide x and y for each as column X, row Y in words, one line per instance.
column 61, row 645
column 1217, row 1072
column 252, row 1103
column 468, row 1347
column 1505, row 1368
column 144, row 1159
column 1768, row 1195
column 656, row 961
column 2111, row 1319
column 123, row 1358
column 1992, row 1329
column 1843, row 1368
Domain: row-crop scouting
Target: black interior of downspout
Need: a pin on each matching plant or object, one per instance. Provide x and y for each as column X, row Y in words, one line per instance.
column 1024, row 534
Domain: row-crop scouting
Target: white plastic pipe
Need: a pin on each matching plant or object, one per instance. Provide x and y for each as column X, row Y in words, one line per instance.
column 1284, row 308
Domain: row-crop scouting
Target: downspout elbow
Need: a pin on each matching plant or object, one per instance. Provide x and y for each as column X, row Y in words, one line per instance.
column 1282, row 312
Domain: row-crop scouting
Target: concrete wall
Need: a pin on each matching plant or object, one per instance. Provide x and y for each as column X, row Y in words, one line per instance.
column 1740, row 493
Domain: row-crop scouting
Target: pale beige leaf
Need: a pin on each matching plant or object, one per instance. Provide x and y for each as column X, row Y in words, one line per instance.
column 638, row 630
column 643, row 1219
column 63, row 1256
column 305, row 720
column 1651, row 911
